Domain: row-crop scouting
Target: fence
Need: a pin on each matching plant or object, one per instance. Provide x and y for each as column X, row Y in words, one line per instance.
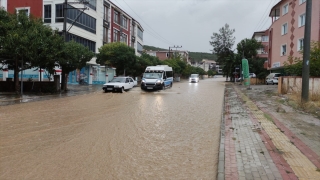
column 290, row 84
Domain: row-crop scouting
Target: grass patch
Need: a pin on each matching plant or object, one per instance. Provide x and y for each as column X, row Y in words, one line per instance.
column 318, row 169
column 234, row 138
column 262, row 152
column 268, row 117
column 303, row 133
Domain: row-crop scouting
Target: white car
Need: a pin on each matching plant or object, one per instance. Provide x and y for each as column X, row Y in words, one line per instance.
column 119, row 84
column 272, row 78
column 194, row 78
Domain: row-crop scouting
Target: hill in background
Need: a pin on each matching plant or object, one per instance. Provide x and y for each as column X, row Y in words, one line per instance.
column 194, row 56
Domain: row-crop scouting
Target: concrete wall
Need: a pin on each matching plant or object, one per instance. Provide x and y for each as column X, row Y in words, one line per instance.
column 290, row 84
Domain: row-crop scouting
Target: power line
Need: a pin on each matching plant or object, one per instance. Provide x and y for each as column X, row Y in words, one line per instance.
column 263, row 22
column 165, row 40
column 263, row 15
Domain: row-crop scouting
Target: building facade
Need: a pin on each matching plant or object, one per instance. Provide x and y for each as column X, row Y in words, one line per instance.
column 263, row 38
column 286, row 33
column 93, row 25
column 163, row 55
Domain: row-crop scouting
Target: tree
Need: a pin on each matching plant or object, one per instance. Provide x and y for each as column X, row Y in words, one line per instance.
column 141, row 63
column 295, row 67
column 74, row 56
column 222, row 43
column 248, row 48
column 118, row 55
column 25, row 43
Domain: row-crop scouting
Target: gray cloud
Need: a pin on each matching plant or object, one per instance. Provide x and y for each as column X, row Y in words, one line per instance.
column 190, row 23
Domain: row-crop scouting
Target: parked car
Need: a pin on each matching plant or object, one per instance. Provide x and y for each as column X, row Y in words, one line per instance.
column 252, row 75
column 119, row 84
column 272, row 78
column 194, row 78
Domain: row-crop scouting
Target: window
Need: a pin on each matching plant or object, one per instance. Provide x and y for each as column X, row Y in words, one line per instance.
column 116, row 17
column 300, row 44
column 302, row 20
column 301, row 1
column 283, row 50
column 84, row 21
column 265, row 38
column 140, row 34
column 25, row 10
column 105, row 13
column 59, row 13
column 284, row 29
column 90, row 44
column 140, row 48
column 125, row 22
column 47, row 14
column 285, row 9
column 124, row 38
column 115, row 35
column 105, row 35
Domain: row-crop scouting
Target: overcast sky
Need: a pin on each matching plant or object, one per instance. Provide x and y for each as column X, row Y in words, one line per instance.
column 191, row 23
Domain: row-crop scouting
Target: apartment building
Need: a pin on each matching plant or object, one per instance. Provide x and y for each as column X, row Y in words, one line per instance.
column 286, row 33
column 163, row 55
column 263, row 37
column 3, row 4
column 92, row 23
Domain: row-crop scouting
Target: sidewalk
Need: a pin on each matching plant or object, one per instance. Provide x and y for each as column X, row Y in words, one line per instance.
column 256, row 145
column 9, row 98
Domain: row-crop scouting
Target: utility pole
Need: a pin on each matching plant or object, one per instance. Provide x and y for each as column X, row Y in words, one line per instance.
column 174, row 47
column 306, row 53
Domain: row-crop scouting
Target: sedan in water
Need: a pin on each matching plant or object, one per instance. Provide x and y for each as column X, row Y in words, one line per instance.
column 194, row 78
column 119, row 84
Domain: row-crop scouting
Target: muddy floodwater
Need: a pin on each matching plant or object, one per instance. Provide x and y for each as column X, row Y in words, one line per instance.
column 169, row 134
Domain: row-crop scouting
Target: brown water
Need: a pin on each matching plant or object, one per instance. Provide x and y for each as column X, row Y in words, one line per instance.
column 170, row 134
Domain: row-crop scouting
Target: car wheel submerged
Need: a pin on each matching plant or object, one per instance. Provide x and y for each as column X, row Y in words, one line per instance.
column 121, row 90
column 163, row 87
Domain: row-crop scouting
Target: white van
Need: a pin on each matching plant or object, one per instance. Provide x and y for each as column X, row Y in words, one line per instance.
column 157, row 77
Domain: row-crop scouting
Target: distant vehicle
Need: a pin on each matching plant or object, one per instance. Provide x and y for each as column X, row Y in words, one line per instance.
column 119, row 84
column 272, row 78
column 252, row 75
column 157, row 77
column 194, row 78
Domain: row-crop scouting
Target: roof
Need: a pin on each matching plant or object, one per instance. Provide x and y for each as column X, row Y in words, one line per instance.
column 258, row 32
column 274, row 10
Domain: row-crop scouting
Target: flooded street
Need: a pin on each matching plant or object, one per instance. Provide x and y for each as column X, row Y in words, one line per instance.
column 170, row 134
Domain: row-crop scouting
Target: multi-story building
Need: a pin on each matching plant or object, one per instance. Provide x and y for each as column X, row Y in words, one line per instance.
column 93, row 25
column 163, row 55
column 286, row 32
column 3, row 4
column 263, row 37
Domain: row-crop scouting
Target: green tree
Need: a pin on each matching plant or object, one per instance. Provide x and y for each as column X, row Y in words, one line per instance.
column 24, row 43
column 74, row 56
column 222, row 43
column 118, row 55
column 248, row 48
column 141, row 63
column 294, row 64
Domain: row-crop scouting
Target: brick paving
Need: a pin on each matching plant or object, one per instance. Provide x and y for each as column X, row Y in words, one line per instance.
column 259, row 148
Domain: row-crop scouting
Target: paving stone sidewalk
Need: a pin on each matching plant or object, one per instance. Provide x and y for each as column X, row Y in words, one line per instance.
column 253, row 147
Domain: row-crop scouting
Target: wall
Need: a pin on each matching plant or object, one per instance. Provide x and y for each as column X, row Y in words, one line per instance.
column 289, row 84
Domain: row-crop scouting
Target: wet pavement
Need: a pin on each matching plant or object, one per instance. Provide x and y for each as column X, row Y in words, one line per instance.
column 10, row 98
column 170, row 134
column 256, row 145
